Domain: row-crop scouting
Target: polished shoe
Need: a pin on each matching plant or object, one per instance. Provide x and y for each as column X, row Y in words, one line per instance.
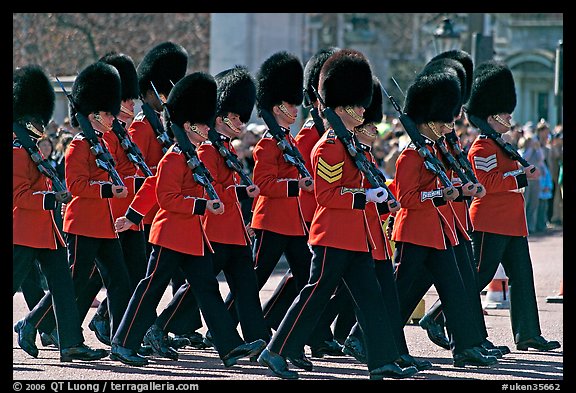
column 207, row 340
column 26, row 337
column 277, row 364
column 81, row 352
column 101, row 328
column 406, row 360
column 245, row 350
column 301, row 362
column 502, row 348
column 490, row 352
column 196, row 340
column 539, row 343
column 49, row 340
column 158, row 340
column 392, row 370
column 353, row 347
column 178, row 342
column 127, row 356
column 435, row 332
column 330, row 348
column 473, row 357
column 145, row 350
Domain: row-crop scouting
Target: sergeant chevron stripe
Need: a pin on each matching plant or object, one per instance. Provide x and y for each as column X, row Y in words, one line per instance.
column 486, row 164
column 328, row 172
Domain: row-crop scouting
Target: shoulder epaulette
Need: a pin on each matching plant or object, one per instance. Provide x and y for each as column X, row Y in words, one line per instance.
column 331, row 136
column 16, row 144
column 309, row 123
column 139, row 117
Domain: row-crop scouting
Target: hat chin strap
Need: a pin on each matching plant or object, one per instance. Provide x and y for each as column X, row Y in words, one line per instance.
column 285, row 112
column 353, row 114
column 501, row 121
column 32, row 128
column 230, row 125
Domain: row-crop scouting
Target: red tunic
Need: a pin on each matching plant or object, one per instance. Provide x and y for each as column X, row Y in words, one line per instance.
column 277, row 208
column 340, row 220
column 178, row 225
column 419, row 221
column 305, row 141
column 89, row 212
column 33, row 222
column 227, row 228
column 144, row 137
column 501, row 210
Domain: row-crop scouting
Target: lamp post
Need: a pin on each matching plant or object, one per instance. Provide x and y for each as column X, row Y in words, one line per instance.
column 446, row 37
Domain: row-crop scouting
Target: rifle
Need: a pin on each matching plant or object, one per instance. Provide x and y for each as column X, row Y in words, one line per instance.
column 373, row 174
column 132, row 151
column 104, row 159
column 161, row 134
column 201, row 174
column 431, row 162
column 455, row 165
column 495, row 136
column 452, row 140
column 291, row 153
column 231, row 159
column 42, row 163
column 315, row 115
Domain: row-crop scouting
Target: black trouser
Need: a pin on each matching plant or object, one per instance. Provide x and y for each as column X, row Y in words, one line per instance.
column 236, row 263
column 467, row 268
column 32, row 288
column 331, row 266
column 268, row 248
column 199, row 271
column 417, row 268
column 490, row 250
column 83, row 252
column 134, row 250
column 385, row 275
column 59, row 300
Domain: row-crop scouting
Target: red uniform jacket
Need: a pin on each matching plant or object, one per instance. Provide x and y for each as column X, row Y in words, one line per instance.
column 143, row 201
column 501, row 210
column 227, row 228
column 178, row 225
column 340, row 220
column 277, row 208
column 420, row 221
column 305, row 141
column 89, row 212
column 144, row 137
column 32, row 204
column 128, row 172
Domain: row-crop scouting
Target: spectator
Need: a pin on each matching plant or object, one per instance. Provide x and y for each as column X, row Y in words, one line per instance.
column 555, row 164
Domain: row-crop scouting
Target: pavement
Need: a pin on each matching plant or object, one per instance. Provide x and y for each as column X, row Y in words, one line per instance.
column 196, row 369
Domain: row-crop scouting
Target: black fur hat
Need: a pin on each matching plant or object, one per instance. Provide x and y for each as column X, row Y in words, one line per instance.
column 32, row 95
column 164, row 65
column 236, row 92
column 96, row 88
column 280, row 78
column 128, row 75
column 441, row 64
column 346, row 79
column 465, row 59
column 434, row 96
column 493, row 90
column 374, row 113
column 312, row 72
column 193, row 99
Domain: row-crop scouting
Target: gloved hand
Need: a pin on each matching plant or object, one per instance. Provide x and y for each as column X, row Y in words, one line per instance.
column 376, row 194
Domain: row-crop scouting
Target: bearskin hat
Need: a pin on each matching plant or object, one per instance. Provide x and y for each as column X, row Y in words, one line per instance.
column 280, row 78
column 96, row 88
column 434, row 96
column 164, row 65
column 312, row 72
column 128, row 75
column 346, row 79
column 493, row 90
column 236, row 92
column 193, row 99
column 465, row 59
column 374, row 113
column 440, row 65
column 32, row 95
